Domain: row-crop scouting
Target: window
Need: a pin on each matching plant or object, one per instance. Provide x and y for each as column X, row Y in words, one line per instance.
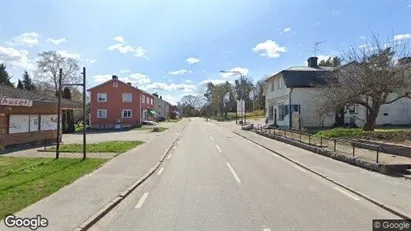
column 102, row 97
column 151, row 101
column 147, row 100
column 127, row 97
column 272, row 85
column 143, row 98
column 270, row 112
column 115, row 84
column 281, row 112
column 102, row 113
column 280, row 83
column 127, row 113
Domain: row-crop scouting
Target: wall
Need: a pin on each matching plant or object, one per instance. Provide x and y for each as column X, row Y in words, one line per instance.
column 115, row 105
column 29, row 137
column 275, row 96
column 308, row 118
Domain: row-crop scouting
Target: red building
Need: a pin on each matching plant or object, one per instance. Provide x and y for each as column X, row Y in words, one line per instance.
column 116, row 104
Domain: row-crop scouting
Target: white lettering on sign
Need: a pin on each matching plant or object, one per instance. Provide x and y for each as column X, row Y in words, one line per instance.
column 16, row 102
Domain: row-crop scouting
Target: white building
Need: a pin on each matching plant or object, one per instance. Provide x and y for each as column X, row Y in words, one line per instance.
column 295, row 86
column 161, row 106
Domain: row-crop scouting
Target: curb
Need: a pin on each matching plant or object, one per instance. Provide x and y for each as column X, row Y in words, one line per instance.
column 107, row 208
column 372, row 200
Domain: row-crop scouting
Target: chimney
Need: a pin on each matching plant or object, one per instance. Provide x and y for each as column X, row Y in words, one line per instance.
column 129, row 83
column 115, row 77
column 312, row 62
column 161, row 97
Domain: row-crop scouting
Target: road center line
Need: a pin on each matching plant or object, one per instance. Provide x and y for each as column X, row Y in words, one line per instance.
column 299, row 168
column 218, row 147
column 174, row 147
column 159, row 172
column 266, row 229
column 211, row 138
column 141, row 201
column 348, row 194
column 169, row 156
column 234, row 173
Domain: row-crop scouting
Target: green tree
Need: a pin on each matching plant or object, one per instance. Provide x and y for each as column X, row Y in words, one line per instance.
column 4, row 76
column 331, row 62
column 20, row 85
column 69, row 113
column 243, row 87
column 27, row 82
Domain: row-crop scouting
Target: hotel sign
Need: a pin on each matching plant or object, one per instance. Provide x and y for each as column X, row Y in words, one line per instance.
column 15, row 102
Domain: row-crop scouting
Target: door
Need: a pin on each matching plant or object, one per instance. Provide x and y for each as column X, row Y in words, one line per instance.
column 339, row 118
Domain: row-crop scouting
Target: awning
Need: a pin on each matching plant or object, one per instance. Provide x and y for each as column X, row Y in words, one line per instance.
column 152, row 112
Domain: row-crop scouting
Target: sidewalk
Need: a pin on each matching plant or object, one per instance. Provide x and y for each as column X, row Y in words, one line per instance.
column 390, row 191
column 72, row 205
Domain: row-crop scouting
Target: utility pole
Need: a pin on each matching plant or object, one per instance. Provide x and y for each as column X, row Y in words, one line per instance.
column 59, row 113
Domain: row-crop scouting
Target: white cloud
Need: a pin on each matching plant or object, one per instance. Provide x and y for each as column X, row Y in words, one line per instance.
column 188, row 81
column 192, row 60
column 186, row 88
column 288, row 29
column 16, row 58
column 29, row 39
column 57, row 41
column 69, row 55
column 119, row 39
column 140, row 78
column 213, row 81
column 125, row 71
column 335, row 12
column 234, row 72
column 135, row 78
column 409, row 5
column 204, row 70
column 171, row 99
column 90, row 61
column 124, row 48
column 402, row 36
column 362, row 37
column 316, row 24
column 179, row 72
column 270, row 49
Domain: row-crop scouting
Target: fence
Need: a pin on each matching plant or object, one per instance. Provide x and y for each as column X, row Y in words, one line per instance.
column 347, row 147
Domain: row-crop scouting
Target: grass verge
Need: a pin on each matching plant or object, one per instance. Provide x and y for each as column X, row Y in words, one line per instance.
column 109, row 146
column 396, row 135
column 161, row 129
column 24, row 181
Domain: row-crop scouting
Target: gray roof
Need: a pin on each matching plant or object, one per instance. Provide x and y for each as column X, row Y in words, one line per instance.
column 36, row 96
column 302, row 79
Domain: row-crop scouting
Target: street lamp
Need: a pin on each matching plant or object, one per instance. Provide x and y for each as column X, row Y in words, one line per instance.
column 241, row 75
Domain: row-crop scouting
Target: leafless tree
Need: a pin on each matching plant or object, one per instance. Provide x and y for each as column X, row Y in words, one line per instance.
column 376, row 74
column 49, row 64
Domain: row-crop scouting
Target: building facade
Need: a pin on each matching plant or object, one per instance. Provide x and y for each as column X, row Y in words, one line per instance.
column 29, row 117
column 161, row 106
column 116, row 104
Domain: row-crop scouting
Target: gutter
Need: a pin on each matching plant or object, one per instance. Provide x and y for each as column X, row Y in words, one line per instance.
column 289, row 108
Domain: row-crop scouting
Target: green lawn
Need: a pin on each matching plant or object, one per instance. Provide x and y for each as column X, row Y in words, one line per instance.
column 109, row 146
column 23, row 181
column 162, row 129
column 358, row 133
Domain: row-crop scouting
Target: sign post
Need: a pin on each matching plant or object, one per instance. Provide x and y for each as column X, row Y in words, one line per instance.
column 241, row 109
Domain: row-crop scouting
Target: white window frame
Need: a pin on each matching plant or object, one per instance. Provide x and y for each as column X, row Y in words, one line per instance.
column 143, row 98
column 131, row 97
column 127, row 110
column 98, row 97
column 115, row 84
column 98, row 113
column 280, row 83
column 151, row 101
column 147, row 100
column 281, row 112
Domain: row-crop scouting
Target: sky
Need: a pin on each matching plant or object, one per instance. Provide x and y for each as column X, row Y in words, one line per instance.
column 175, row 47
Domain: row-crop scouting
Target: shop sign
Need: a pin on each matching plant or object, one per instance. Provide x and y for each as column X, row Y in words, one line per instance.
column 4, row 101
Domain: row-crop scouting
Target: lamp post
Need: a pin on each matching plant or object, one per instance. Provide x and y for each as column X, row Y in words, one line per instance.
column 241, row 75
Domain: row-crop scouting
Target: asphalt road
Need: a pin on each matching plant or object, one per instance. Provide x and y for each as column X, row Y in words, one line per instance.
column 215, row 180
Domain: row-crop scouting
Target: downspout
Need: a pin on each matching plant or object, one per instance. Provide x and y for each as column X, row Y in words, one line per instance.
column 289, row 108
column 141, row 96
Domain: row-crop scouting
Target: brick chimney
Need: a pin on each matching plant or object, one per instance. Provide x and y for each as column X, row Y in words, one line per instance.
column 115, row 77
column 129, row 83
column 312, row 62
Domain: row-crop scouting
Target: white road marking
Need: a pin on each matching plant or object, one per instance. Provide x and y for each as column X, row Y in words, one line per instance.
column 299, row 168
column 234, row 173
column 169, row 156
column 211, row 138
column 174, row 147
column 266, row 229
column 159, row 172
column 348, row 194
column 218, row 147
column 141, row 201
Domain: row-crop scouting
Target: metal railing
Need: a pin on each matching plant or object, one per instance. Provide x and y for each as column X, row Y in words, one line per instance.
column 348, row 147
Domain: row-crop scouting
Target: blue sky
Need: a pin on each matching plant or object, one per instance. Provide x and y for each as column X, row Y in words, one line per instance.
column 174, row 47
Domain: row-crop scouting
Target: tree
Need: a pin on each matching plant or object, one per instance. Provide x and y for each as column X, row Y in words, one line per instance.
column 4, row 76
column 243, row 87
column 373, row 77
column 27, row 82
column 68, row 113
column 259, row 94
column 20, row 85
column 48, row 68
column 331, row 62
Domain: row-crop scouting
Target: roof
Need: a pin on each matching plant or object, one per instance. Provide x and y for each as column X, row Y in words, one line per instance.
column 300, row 79
column 36, row 96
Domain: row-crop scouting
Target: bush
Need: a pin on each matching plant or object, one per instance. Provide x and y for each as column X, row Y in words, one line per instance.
column 358, row 133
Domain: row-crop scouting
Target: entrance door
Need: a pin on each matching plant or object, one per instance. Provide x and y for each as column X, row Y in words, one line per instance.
column 339, row 118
